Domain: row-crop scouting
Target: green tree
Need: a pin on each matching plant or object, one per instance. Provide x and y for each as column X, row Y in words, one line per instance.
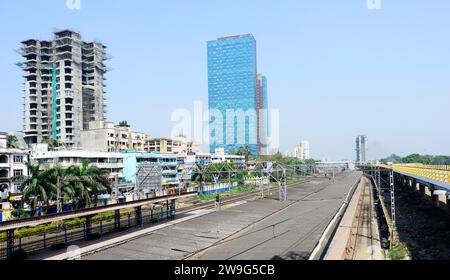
column 79, row 184
column 66, row 177
column 198, row 175
column 417, row 158
column 12, row 142
column 52, row 144
column 222, row 169
column 245, row 151
column 37, row 186
column 88, row 182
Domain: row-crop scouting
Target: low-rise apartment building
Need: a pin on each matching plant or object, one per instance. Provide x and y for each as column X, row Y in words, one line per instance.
column 177, row 145
column 220, row 156
column 193, row 158
column 111, row 162
column 132, row 160
column 108, row 137
column 13, row 164
column 3, row 140
column 228, row 158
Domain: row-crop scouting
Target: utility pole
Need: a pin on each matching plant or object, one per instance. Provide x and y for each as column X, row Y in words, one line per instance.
column 283, row 186
column 392, row 187
column 229, row 181
column 58, row 201
column 58, row 195
column 379, row 179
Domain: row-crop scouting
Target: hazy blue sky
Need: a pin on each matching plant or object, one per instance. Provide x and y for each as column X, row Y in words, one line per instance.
column 335, row 68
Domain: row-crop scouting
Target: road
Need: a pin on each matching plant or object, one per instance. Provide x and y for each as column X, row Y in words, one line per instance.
column 260, row 229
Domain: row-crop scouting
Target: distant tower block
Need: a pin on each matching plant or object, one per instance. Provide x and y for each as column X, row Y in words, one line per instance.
column 361, row 149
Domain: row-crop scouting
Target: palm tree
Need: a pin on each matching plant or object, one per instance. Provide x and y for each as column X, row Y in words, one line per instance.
column 199, row 176
column 222, row 168
column 12, row 142
column 52, row 144
column 245, row 151
column 37, row 186
column 90, row 182
column 66, row 178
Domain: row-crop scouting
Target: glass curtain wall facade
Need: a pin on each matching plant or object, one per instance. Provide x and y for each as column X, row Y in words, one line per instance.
column 232, row 82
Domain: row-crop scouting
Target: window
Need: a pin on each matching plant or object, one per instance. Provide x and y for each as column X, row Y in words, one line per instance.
column 18, row 172
column 17, row 187
column 18, row 159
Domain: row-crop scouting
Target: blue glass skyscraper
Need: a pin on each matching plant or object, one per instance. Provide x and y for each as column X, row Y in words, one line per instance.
column 232, row 92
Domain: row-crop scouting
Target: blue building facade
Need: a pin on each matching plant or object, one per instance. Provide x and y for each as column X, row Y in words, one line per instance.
column 265, row 97
column 169, row 164
column 232, row 89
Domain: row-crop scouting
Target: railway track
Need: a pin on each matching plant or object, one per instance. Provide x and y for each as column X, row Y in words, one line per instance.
column 363, row 238
column 232, row 199
column 34, row 246
column 206, row 206
column 235, row 198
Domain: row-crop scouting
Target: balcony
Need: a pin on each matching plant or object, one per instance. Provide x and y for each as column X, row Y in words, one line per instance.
column 29, row 43
column 4, row 174
column 30, row 133
column 68, row 93
column 108, row 165
column 30, row 65
column 169, row 172
column 28, row 50
column 4, row 161
column 63, row 41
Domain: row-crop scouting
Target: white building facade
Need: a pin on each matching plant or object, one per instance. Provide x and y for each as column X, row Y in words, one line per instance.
column 111, row 162
column 302, row 151
column 13, row 164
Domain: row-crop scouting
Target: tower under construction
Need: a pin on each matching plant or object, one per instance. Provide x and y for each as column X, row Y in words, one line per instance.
column 64, row 87
column 361, row 149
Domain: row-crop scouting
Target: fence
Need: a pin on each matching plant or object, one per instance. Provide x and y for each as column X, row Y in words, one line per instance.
column 440, row 173
column 49, row 237
column 221, row 187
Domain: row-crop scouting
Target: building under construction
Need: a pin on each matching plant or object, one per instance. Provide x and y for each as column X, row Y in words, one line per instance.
column 361, row 149
column 64, row 87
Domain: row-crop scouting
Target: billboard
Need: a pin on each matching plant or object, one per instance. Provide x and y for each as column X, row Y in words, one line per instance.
column 148, row 176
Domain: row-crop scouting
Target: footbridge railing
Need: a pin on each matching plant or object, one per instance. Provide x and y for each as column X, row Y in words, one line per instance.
column 436, row 173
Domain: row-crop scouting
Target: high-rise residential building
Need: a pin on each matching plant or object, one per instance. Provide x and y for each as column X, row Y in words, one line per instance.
column 302, row 151
column 361, row 149
column 64, row 87
column 298, row 152
column 236, row 94
column 306, row 150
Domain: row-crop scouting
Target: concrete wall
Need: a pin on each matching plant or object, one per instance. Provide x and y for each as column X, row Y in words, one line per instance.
column 95, row 140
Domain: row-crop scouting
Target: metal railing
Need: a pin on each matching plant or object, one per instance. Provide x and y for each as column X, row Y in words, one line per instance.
column 35, row 221
column 439, row 173
column 49, row 238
